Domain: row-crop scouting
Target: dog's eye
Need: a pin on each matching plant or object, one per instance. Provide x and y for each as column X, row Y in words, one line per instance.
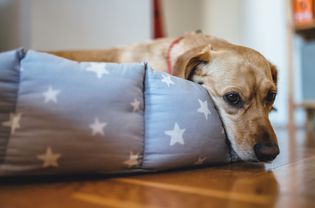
column 271, row 97
column 233, row 98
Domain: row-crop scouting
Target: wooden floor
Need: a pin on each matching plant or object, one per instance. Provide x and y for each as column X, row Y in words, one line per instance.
column 287, row 182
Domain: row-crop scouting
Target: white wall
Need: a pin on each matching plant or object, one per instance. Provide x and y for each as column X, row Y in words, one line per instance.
column 216, row 17
column 73, row 24
column 222, row 18
column 181, row 16
column 77, row 24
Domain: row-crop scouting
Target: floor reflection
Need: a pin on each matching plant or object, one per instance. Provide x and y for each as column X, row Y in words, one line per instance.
column 263, row 190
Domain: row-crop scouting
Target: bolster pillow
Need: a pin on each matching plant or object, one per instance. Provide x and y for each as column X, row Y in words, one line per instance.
column 63, row 117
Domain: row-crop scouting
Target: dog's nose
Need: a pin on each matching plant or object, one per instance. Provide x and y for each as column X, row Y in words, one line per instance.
column 266, row 151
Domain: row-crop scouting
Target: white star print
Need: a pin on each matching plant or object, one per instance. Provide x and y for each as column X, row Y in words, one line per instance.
column 98, row 68
column 200, row 160
column 176, row 135
column 98, row 127
column 135, row 105
column 14, row 122
column 49, row 158
column 167, row 80
column 51, row 95
column 204, row 108
column 133, row 160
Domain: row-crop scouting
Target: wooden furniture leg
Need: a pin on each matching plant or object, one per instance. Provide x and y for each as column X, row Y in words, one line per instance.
column 310, row 118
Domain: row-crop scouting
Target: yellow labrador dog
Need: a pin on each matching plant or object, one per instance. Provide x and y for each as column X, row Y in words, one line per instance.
column 242, row 83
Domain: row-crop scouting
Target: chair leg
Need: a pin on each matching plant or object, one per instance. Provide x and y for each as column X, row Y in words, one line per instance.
column 310, row 119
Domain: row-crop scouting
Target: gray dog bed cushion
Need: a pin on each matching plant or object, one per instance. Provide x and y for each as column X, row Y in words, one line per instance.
column 59, row 117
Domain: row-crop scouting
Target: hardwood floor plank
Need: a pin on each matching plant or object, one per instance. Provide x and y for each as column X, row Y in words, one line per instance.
column 212, row 193
column 108, row 202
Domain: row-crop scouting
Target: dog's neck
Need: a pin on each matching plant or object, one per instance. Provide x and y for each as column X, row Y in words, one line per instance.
column 169, row 52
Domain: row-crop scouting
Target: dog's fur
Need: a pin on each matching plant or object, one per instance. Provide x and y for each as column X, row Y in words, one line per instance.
column 220, row 67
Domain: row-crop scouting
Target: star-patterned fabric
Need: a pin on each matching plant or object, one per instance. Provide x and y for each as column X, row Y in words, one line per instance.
column 59, row 116
column 191, row 127
column 9, row 86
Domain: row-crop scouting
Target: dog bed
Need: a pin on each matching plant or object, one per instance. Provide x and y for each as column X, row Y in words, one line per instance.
column 63, row 117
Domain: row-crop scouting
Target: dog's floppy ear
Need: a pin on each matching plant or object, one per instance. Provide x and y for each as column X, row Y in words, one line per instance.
column 186, row 62
column 274, row 73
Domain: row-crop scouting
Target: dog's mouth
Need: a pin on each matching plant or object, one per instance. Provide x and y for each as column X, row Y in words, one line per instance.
column 233, row 155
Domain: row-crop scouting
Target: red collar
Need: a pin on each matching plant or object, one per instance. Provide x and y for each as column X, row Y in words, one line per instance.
column 168, row 58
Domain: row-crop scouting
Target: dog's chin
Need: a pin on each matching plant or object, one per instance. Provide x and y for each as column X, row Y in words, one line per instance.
column 234, row 157
column 246, row 156
column 239, row 155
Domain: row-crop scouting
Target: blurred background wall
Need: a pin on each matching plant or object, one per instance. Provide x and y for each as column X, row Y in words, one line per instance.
column 81, row 24
column 73, row 24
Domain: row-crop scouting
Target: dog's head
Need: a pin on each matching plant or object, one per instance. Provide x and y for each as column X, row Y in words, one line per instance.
column 243, row 85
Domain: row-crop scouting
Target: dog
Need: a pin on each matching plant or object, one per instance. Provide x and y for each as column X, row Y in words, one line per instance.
column 241, row 82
